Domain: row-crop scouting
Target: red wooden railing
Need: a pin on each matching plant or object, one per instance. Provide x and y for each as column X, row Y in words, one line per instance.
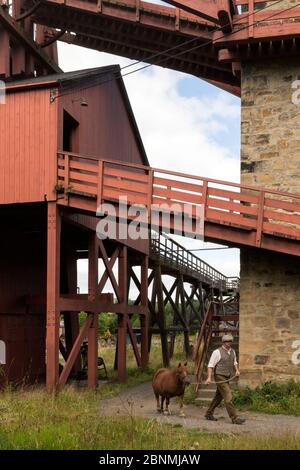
column 170, row 251
column 257, row 210
column 254, row 12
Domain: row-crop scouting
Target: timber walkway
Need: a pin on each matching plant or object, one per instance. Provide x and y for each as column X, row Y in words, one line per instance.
column 230, row 213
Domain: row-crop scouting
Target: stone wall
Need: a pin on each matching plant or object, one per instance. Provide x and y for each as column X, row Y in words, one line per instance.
column 270, row 283
column 270, row 125
column 269, row 317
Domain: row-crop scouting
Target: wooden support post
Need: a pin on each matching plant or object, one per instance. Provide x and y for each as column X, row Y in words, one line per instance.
column 105, row 275
column 201, row 301
column 144, row 318
column 5, row 53
column 93, row 329
column 18, row 60
column 121, row 350
column 184, row 315
column 53, row 286
column 122, row 316
column 251, row 19
column 75, row 351
column 133, row 340
column 190, row 304
column 175, row 318
column 152, row 305
column 93, row 352
column 71, row 319
column 161, row 318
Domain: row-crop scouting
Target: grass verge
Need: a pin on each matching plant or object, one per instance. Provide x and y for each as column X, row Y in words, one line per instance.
column 270, row 398
column 33, row 419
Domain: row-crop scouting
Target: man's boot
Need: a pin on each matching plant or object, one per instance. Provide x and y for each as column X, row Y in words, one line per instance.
column 238, row 421
column 210, row 418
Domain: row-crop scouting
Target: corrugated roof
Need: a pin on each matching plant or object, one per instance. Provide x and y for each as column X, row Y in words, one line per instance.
column 62, row 78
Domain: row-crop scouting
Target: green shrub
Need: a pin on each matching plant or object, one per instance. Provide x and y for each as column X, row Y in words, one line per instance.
column 271, row 397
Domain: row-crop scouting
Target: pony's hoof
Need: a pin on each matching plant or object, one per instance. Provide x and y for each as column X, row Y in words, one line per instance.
column 167, row 412
column 182, row 414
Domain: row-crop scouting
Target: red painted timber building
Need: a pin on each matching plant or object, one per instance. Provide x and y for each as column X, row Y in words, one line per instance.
column 86, row 112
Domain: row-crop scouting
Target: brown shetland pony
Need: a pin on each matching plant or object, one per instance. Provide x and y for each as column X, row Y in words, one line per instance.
column 168, row 383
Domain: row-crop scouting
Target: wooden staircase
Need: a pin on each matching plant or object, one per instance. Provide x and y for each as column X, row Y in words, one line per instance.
column 206, row 392
column 217, row 321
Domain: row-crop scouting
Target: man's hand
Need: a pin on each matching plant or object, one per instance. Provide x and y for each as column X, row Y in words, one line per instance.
column 237, row 373
column 207, row 381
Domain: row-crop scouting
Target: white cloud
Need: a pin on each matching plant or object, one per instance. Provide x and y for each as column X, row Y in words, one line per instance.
column 180, row 133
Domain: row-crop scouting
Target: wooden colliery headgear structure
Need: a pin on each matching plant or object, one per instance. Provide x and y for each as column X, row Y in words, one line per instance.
column 57, row 168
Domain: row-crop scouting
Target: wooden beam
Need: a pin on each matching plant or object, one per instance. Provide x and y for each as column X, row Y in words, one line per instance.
column 5, row 53
column 138, row 284
column 173, row 287
column 189, row 300
column 80, row 302
column 161, row 317
column 108, row 267
column 145, row 318
column 133, row 342
column 71, row 320
column 13, row 28
column 122, row 317
column 53, row 287
column 63, row 350
column 93, row 352
column 152, row 318
column 224, row 16
column 152, row 15
column 105, row 275
column 261, row 32
column 75, row 351
column 205, row 9
column 176, row 310
column 93, row 329
column 184, row 316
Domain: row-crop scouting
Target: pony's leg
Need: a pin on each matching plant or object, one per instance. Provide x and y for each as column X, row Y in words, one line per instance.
column 167, row 411
column 157, row 402
column 162, row 404
column 181, row 412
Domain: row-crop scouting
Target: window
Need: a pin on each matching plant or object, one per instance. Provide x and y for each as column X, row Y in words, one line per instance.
column 70, row 134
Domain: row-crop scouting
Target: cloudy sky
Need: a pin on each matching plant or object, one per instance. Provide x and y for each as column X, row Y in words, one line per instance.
column 186, row 125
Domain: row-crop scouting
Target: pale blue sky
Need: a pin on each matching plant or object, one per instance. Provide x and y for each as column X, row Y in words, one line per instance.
column 186, row 124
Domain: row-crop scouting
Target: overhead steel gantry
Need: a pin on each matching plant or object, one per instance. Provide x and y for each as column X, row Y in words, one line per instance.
column 205, row 38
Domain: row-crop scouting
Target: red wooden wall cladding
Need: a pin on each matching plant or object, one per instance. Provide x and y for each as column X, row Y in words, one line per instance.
column 104, row 126
column 32, row 130
column 22, row 273
column 28, row 143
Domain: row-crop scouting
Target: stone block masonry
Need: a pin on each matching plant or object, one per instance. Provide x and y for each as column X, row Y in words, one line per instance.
column 269, row 317
column 270, row 283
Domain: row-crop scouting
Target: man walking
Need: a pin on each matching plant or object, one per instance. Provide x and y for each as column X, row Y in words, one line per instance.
column 224, row 363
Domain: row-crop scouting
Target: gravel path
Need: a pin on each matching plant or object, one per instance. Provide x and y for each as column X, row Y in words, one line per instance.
column 140, row 401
